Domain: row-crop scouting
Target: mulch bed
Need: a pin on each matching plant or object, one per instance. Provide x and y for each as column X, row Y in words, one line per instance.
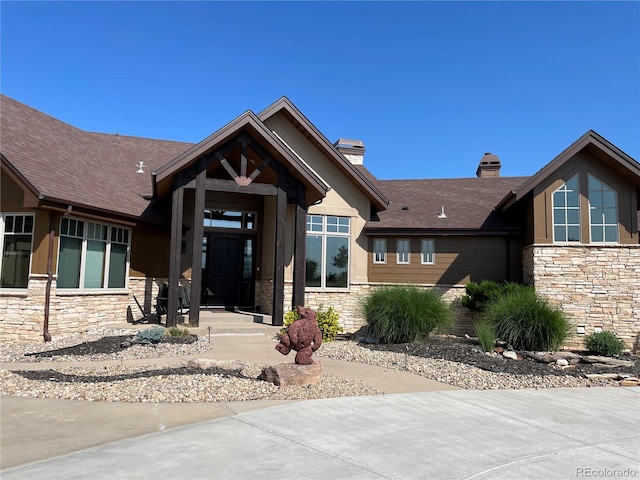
column 466, row 351
column 106, row 345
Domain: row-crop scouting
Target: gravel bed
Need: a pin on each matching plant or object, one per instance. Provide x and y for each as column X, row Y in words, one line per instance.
column 166, row 384
column 456, row 373
column 452, row 361
column 172, row 382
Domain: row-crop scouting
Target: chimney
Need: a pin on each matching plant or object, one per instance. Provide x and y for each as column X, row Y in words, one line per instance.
column 353, row 150
column 489, row 166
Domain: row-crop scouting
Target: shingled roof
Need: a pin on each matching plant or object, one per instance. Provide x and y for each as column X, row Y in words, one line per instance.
column 67, row 165
column 469, row 204
column 62, row 164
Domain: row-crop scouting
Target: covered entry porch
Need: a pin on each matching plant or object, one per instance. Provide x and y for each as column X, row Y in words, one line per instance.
column 238, row 203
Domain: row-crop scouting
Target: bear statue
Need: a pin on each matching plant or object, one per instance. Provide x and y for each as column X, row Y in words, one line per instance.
column 304, row 336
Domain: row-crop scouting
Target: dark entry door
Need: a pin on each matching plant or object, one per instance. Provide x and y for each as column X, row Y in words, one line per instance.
column 228, row 274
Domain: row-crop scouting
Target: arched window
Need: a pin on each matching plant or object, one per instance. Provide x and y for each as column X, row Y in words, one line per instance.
column 603, row 212
column 566, row 212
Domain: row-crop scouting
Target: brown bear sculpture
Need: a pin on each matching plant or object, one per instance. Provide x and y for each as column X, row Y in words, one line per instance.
column 304, row 336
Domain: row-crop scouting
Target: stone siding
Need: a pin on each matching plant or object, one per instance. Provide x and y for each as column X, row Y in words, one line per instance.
column 264, row 296
column 22, row 314
column 596, row 286
column 346, row 304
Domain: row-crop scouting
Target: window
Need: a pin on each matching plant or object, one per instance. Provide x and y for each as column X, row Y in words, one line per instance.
column 229, row 219
column 16, row 237
column 327, row 259
column 566, row 212
column 379, row 250
column 427, row 251
column 402, row 250
column 603, row 212
column 92, row 255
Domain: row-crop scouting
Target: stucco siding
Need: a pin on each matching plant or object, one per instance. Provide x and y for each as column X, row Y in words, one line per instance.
column 343, row 199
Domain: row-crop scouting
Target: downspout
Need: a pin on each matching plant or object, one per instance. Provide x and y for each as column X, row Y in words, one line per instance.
column 47, row 298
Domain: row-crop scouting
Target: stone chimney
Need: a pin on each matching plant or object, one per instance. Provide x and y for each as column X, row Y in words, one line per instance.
column 489, row 166
column 353, row 150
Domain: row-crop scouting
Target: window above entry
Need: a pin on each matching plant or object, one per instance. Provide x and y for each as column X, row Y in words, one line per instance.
column 229, row 219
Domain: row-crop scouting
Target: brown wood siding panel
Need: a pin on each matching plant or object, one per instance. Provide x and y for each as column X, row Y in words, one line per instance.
column 458, row 260
column 40, row 246
column 149, row 253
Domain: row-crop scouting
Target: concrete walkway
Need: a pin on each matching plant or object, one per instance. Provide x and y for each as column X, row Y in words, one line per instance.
column 436, row 431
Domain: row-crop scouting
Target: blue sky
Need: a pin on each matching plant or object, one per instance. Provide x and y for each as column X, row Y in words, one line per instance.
column 428, row 86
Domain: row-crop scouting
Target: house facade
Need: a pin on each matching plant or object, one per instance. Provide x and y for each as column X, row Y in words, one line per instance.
column 267, row 213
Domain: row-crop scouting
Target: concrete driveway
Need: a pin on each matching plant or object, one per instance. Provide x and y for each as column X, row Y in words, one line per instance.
column 481, row 434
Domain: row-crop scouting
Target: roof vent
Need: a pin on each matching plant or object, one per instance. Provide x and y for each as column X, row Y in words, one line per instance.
column 489, row 166
column 140, row 165
column 353, row 150
column 442, row 214
column 405, row 208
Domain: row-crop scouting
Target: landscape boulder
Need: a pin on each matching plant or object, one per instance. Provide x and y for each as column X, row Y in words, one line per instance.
column 287, row 374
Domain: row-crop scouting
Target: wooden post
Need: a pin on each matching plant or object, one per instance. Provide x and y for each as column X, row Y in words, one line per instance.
column 277, row 312
column 177, row 202
column 196, row 248
column 299, row 262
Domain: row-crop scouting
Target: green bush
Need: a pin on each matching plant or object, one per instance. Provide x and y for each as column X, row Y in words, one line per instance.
column 152, row 335
column 178, row 332
column 404, row 313
column 328, row 322
column 526, row 321
column 480, row 295
column 604, row 343
column 486, row 335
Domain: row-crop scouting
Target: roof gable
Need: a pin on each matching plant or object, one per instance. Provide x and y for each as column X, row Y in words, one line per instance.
column 590, row 141
column 247, row 123
column 295, row 116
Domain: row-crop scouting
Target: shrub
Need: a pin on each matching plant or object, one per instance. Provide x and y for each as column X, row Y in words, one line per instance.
column 178, row 332
column 604, row 343
column 152, row 335
column 526, row 321
column 328, row 322
column 486, row 335
column 480, row 295
column 404, row 313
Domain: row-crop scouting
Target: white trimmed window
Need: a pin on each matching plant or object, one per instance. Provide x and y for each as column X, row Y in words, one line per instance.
column 379, row 250
column 603, row 212
column 327, row 255
column 427, row 251
column 16, row 239
column 92, row 255
column 402, row 251
column 566, row 212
